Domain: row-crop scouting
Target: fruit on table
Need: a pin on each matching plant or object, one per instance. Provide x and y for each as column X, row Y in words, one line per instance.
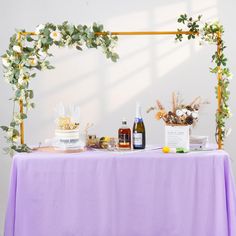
column 104, row 141
column 166, row 149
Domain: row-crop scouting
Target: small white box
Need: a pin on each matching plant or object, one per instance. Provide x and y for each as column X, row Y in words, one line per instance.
column 177, row 136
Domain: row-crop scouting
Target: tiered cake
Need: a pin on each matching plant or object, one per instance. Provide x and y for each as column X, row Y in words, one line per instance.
column 67, row 134
column 67, row 139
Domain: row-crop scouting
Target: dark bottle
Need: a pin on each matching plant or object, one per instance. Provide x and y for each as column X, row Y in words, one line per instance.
column 139, row 137
column 124, row 135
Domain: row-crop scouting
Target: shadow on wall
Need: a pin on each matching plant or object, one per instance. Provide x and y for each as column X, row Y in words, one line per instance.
column 150, row 67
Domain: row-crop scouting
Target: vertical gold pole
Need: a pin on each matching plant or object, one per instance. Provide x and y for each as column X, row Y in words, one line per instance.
column 21, row 124
column 219, row 95
column 21, row 104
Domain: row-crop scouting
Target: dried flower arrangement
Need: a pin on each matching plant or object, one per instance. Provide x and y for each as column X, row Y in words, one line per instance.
column 181, row 114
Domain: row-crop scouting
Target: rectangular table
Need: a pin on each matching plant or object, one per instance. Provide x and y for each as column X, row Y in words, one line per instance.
column 108, row 194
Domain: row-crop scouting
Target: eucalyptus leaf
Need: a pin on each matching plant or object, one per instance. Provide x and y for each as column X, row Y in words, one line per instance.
column 4, row 128
column 79, row 48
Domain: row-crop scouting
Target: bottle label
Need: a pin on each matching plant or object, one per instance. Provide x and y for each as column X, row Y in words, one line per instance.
column 138, row 139
column 124, row 139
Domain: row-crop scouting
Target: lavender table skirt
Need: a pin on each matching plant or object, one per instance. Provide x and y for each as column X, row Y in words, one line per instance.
column 109, row 194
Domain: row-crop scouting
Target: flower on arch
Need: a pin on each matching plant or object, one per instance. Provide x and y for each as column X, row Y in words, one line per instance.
column 33, row 61
column 5, row 62
column 55, row 35
column 42, row 54
column 17, row 48
column 23, row 80
column 39, row 28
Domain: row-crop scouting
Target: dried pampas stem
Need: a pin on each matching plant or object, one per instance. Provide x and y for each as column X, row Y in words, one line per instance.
column 197, row 100
column 174, row 102
column 150, row 109
column 159, row 105
column 88, row 125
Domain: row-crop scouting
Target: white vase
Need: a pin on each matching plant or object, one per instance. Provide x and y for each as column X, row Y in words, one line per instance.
column 177, row 136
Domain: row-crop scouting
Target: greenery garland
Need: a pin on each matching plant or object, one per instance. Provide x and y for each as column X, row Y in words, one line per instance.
column 209, row 33
column 28, row 53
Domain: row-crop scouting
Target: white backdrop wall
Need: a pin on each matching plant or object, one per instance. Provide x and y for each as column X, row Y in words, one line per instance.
column 150, row 67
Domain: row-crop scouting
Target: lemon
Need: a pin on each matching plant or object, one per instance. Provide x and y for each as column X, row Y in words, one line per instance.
column 166, row 149
column 104, row 142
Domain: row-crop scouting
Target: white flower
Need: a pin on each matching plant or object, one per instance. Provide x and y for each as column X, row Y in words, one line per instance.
column 179, row 113
column 5, row 62
column 55, row 35
column 21, row 80
column 12, row 58
column 33, row 61
column 189, row 112
column 184, row 111
column 17, row 48
column 39, row 28
column 195, row 115
column 42, row 54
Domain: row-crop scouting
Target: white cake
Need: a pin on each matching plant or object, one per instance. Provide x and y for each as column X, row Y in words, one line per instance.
column 67, row 139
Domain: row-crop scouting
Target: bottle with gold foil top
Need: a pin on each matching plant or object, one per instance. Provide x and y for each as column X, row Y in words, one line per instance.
column 139, row 136
column 124, row 136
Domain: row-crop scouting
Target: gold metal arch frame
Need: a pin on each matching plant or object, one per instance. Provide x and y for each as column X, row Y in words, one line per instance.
column 219, row 75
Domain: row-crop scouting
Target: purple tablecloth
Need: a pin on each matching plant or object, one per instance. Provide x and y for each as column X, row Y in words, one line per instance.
column 134, row 194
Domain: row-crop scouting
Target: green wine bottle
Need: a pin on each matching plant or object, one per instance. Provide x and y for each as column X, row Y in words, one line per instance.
column 139, row 136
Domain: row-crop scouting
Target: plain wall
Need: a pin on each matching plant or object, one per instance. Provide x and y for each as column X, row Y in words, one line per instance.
column 150, row 67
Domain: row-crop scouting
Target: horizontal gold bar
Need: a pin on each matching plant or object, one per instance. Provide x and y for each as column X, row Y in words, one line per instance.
column 147, row 33
column 132, row 33
column 27, row 33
